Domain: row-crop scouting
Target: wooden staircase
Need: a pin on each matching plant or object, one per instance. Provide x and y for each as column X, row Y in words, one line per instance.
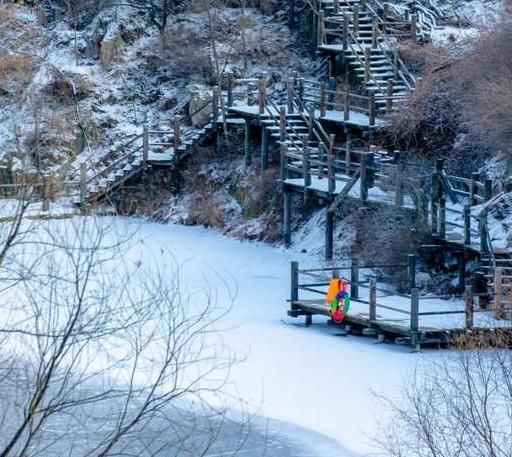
column 100, row 178
column 363, row 32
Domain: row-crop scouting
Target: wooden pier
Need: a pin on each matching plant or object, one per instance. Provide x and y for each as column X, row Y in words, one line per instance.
column 405, row 318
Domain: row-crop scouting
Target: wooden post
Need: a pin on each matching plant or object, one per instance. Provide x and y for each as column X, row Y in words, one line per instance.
column 442, row 218
column 498, row 293
column 363, row 178
column 329, row 234
column 306, row 163
column 230, row 89
column 336, row 6
column 466, row 213
column 389, row 95
column 468, row 298
column 247, row 144
column 323, row 100
column 333, row 69
column 176, row 135
column 348, row 155
column 83, row 183
column 287, row 217
column 461, row 269
column 321, row 27
column 284, row 171
column 145, row 146
column 399, row 196
column 331, row 179
column 411, row 270
column 371, row 109
column 415, row 309
column 354, row 278
column 355, row 20
column 367, row 55
column 414, row 26
column 487, row 189
column 346, row 106
column 289, row 94
column 282, row 124
column 473, row 190
column 332, row 91
column 346, row 20
column 375, row 32
column 395, row 63
column 301, row 95
column 372, row 312
column 482, row 226
column 264, row 148
column 262, row 94
column 311, row 121
column 294, row 281
column 322, row 158
column 215, row 105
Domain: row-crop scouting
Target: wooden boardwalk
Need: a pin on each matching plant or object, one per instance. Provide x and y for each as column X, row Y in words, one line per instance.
column 402, row 318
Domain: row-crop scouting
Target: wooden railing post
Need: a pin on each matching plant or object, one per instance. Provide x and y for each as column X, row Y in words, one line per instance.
column 83, row 183
column 176, row 133
column 399, row 196
column 415, row 310
column 306, row 162
column 367, row 60
column 215, row 105
column 284, row 170
column 282, row 124
column 375, row 32
column 371, row 109
column 468, row 298
column 346, row 106
column 389, row 95
column 145, row 146
column 348, row 155
column 301, row 95
column 498, row 293
column 473, row 190
column 372, row 299
column 331, row 179
column 466, row 214
column 442, row 218
column 262, row 94
column 247, row 144
column 411, row 270
column 354, row 278
column 346, row 19
column 294, row 282
column 323, row 100
column 363, row 178
column 329, row 234
column 311, row 120
column 395, row 63
column 287, row 217
column 289, row 94
column 487, row 189
column 230, row 89
column 332, row 91
column 355, row 20
column 414, row 26
column 321, row 27
column 482, row 222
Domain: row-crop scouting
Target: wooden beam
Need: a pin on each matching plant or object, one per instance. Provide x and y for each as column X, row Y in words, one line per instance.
column 372, row 312
column 469, row 306
column 247, row 144
column 287, row 218
column 354, row 278
column 329, row 234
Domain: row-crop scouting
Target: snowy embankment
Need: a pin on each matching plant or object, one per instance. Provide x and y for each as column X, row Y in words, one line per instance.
column 307, row 376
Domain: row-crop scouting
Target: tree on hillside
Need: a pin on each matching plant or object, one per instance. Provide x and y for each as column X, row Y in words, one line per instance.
column 101, row 352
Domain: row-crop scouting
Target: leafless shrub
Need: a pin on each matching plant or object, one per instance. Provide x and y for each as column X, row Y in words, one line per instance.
column 203, row 209
column 458, row 406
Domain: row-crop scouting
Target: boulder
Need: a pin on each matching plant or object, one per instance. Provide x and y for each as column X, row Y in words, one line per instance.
column 200, row 97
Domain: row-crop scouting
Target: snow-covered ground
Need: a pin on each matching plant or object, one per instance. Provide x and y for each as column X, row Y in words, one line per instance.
column 306, row 376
